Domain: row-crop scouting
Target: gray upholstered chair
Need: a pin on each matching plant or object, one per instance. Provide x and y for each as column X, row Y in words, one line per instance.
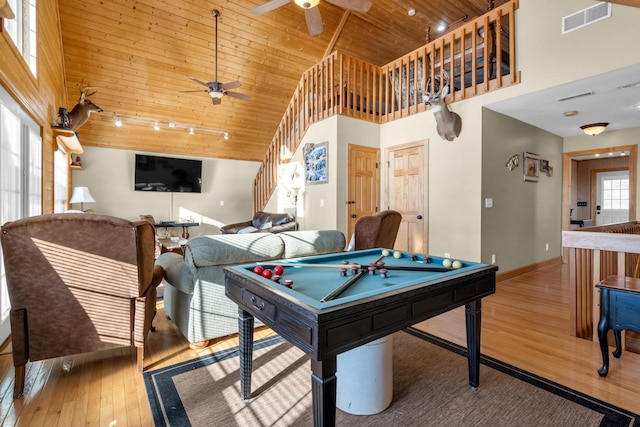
column 78, row 283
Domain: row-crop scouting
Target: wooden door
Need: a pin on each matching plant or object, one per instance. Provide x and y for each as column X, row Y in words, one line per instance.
column 407, row 189
column 363, row 196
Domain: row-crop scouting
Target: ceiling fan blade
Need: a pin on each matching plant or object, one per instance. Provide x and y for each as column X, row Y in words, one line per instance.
column 198, row 81
column 268, row 6
column 237, row 95
column 356, row 5
column 198, row 90
column 314, row 20
column 217, row 101
column 230, row 85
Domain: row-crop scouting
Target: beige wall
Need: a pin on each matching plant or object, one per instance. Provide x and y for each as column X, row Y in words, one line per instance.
column 226, row 191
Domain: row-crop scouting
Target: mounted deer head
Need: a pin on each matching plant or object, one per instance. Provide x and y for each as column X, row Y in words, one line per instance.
column 80, row 113
column 448, row 123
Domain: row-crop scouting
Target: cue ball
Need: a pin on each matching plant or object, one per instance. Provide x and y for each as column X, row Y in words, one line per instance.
column 456, row 264
column 278, row 269
column 447, row 263
column 385, row 252
column 397, row 254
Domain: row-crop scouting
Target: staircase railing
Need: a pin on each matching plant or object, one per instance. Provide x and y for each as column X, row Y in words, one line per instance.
column 479, row 57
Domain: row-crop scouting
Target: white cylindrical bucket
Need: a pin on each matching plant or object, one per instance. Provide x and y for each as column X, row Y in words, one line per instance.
column 365, row 378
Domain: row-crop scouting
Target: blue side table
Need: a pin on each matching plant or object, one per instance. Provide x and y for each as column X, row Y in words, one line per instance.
column 619, row 310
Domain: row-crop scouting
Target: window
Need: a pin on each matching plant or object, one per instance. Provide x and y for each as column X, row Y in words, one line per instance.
column 61, row 181
column 615, row 194
column 20, row 178
column 22, row 30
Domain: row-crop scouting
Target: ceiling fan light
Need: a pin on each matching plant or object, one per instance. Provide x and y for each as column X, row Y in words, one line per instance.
column 594, row 129
column 307, row 4
column 215, row 94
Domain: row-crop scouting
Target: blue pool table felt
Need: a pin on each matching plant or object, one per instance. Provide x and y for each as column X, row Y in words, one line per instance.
column 311, row 284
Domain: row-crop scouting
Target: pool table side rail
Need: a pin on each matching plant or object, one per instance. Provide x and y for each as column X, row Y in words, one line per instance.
column 327, row 332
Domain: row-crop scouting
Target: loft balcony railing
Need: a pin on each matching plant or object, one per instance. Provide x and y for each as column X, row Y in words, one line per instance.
column 478, row 57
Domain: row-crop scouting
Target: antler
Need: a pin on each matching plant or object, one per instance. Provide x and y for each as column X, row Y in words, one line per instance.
column 84, row 89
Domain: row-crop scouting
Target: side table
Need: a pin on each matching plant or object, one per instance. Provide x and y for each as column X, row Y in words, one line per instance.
column 619, row 308
column 168, row 245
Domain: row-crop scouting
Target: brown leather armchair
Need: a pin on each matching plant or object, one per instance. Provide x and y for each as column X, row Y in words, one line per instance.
column 78, row 283
column 377, row 231
column 262, row 222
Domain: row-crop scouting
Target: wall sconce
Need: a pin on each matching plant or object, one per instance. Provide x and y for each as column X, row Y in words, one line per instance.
column 594, row 129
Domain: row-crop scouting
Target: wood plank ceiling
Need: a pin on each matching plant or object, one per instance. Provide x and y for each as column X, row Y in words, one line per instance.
column 138, row 55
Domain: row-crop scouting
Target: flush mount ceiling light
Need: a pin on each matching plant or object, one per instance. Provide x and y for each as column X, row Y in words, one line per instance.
column 594, row 128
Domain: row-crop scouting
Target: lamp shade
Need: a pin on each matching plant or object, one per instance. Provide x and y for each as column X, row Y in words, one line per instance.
column 594, row 128
column 81, row 195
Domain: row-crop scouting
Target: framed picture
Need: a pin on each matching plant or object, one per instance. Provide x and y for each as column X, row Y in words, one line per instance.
column 316, row 157
column 531, row 166
column 550, row 171
column 544, row 166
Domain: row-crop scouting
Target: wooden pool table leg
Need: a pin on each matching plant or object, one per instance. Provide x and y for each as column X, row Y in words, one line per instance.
column 245, row 347
column 324, row 389
column 473, row 320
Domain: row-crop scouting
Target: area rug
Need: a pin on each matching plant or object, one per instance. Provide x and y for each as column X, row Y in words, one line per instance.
column 430, row 388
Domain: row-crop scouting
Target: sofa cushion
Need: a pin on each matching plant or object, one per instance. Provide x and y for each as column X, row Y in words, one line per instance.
column 312, row 242
column 228, row 249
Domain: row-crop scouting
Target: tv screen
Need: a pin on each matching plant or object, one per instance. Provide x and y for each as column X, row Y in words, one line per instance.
column 153, row 173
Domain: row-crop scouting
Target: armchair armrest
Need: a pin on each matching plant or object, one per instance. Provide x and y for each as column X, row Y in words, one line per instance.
column 235, row 227
column 289, row 226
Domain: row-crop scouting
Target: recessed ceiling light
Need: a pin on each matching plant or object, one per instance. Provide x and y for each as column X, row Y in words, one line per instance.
column 570, row 113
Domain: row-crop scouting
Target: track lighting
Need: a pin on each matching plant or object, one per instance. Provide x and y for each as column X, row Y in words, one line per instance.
column 118, row 121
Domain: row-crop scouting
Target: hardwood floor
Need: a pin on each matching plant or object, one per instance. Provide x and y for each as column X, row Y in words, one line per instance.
column 526, row 324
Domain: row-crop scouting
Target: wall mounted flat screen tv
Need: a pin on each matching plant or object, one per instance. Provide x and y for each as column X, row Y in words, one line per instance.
column 154, row 173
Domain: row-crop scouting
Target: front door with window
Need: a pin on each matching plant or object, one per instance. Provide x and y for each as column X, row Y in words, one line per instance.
column 612, row 197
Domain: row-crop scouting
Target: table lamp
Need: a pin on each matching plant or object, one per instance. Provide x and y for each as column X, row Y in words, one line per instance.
column 81, row 195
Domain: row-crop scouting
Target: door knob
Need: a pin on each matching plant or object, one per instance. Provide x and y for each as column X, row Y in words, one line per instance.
column 354, row 216
column 419, row 217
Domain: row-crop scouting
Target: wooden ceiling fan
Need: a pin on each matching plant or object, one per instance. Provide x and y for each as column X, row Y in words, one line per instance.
column 311, row 11
column 215, row 89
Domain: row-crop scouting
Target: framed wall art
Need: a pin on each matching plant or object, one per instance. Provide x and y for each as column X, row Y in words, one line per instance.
column 531, row 166
column 316, row 159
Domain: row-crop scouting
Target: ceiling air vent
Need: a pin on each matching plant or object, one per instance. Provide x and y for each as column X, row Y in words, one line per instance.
column 586, row 16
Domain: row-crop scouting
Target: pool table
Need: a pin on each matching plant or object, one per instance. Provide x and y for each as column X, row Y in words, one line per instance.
column 324, row 322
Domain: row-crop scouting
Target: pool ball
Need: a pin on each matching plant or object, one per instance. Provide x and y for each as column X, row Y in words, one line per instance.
column 385, row 252
column 456, row 264
column 397, row 254
column 446, row 263
column 267, row 273
column 278, row 269
column 257, row 269
column 288, row 283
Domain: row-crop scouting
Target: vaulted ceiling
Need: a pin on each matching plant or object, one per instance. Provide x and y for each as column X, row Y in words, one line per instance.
column 139, row 54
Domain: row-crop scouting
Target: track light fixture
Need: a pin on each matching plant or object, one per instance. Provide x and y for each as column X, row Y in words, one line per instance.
column 118, row 121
